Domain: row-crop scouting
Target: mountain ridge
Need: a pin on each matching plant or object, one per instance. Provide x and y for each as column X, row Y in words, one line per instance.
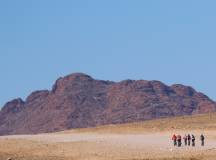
column 78, row 101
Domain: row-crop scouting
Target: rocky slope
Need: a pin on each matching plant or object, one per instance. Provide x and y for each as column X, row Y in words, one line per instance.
column 78, row 100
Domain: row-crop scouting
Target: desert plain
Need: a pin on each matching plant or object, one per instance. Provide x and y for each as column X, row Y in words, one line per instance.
column 148, row 140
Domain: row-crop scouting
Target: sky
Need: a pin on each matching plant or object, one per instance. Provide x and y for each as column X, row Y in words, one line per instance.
column 166, row 40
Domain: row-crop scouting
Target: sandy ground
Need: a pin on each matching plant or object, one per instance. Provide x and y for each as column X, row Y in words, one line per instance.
column 94, row 146
column 135, row 141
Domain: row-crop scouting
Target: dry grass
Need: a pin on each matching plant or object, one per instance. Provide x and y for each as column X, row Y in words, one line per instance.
column 184, row 123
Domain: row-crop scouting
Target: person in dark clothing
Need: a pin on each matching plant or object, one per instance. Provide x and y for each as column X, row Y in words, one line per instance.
column 179, row 140
column 174, row 138
column 189, row 139
column 193, row 140
column 202, row 138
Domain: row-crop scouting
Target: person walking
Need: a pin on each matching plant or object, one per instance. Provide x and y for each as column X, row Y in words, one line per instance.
column 202, row 138
column 174, row 138
column 189, row 139
column 185, row 139
column 179, row 140
column 193, row 140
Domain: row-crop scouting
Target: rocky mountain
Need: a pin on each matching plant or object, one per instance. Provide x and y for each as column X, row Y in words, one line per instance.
column 78, row 100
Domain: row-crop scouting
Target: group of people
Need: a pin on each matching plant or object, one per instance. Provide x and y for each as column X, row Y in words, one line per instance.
column 188, row 140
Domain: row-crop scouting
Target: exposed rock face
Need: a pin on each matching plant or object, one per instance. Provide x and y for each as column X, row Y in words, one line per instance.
column 78, row 101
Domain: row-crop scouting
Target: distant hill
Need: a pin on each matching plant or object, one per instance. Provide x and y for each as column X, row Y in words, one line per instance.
column 79, row 101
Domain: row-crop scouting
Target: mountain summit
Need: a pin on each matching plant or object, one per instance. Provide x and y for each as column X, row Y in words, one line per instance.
column 78, row 101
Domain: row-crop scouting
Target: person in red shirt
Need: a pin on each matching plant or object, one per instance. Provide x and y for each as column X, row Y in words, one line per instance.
column 174, row 138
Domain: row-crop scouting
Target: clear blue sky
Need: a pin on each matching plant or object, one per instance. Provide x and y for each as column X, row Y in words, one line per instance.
column 171, row 41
